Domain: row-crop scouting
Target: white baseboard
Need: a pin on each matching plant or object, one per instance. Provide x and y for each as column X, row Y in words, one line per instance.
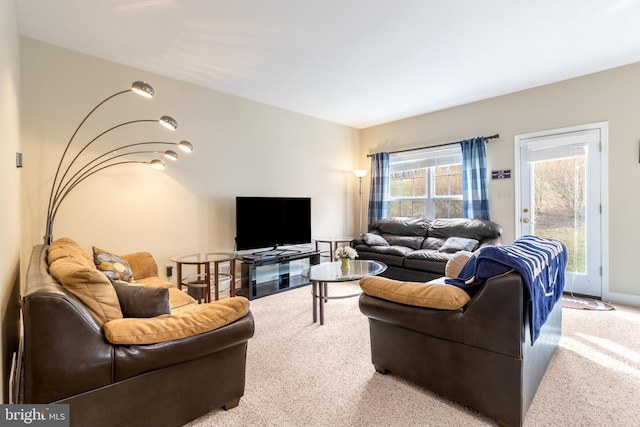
column 625, row 299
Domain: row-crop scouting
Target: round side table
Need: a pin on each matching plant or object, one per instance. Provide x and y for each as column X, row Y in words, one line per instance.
column 202, row 280
column 333, row 242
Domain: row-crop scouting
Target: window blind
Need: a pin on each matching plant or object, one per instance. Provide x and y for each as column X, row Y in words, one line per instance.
column 559, row 147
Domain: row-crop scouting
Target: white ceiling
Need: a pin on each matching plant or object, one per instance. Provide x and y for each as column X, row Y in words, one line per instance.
column 354, row 62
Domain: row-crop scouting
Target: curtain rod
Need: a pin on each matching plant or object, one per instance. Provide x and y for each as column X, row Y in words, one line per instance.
column 486, row 138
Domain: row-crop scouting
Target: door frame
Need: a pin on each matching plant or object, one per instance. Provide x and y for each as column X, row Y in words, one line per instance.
column 604, row 188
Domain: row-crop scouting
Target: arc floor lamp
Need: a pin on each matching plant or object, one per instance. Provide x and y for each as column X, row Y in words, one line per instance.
column 71, row 174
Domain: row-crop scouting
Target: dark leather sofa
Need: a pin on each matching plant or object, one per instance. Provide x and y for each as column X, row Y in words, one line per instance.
column 480, row 355
column 68, row 360
column 418, row 248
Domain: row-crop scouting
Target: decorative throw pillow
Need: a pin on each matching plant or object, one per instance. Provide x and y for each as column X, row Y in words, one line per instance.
column 455, row 264
column 114, row 267
column 372, row 239
column 455, row 244
column 432, row 295
column 142, row 301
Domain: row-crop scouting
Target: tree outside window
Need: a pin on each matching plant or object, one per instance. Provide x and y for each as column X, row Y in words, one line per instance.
column 431, row 191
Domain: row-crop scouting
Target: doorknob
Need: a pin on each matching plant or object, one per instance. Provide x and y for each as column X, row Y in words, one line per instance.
column 525, row 210
column 525, row 220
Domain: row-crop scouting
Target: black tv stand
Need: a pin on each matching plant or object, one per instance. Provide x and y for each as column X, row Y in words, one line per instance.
column 268, row 253
column 266, row 275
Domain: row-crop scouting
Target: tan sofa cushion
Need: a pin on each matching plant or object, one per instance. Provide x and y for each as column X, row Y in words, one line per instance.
column 74, row 269
column 432, row 295
column 142, row 264
column 185, row 322
column 177, row 298
column 67, row 248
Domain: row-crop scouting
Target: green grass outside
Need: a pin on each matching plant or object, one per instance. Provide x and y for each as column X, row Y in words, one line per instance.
column 576, row 245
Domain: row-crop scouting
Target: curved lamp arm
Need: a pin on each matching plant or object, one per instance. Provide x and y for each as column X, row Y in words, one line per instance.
column 172, row 155
column 139, row 87
column 156, row 164
column 61, row 186
column 87, row 168
column 166, row 121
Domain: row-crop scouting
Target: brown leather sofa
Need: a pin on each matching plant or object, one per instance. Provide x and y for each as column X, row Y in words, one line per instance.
column 419, row 248
column 69, row 360
column 479, row 355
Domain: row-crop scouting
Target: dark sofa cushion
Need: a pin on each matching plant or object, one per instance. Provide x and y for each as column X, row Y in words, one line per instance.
column 429, row 260
column 432, row 243
column 390, row 255
column 372, row 239
column 469, row 228
column 402, row 226
column 413, row 242
column 142, row 301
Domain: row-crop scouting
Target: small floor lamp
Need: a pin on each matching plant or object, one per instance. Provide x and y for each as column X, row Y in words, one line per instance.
column 360, row 173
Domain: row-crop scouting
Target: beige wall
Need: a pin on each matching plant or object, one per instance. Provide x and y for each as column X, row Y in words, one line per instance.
column 247, row 148
column 242, row 148
column 610, row 96
column 9, row 188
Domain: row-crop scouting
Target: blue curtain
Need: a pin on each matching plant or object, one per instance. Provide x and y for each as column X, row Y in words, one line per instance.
column 379, row 195
column 475, row 193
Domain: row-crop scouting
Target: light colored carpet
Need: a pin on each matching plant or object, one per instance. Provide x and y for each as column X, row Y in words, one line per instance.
column 303, row 374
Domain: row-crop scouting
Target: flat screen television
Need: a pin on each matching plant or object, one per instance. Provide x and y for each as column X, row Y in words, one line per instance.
column 269, row 222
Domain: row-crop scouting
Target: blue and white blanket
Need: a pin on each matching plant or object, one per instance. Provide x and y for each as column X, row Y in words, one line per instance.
column 540, row 262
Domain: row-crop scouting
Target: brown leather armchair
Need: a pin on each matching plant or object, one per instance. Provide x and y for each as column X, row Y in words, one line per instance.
column 68, row 360
column 480, row 355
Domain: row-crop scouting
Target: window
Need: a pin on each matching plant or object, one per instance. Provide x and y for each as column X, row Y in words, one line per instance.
column 426, row 182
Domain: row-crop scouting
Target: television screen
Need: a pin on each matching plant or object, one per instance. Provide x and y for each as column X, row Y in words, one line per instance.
column 263, row 222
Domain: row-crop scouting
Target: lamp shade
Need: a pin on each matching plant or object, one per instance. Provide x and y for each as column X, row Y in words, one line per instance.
column 157, row 164
column 185, row 146
column 170, row 154
column 142, row 88
column 169, row 122
column 360, row 173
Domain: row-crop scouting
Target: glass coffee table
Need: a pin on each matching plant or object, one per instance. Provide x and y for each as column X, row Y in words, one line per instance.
column 322, row 274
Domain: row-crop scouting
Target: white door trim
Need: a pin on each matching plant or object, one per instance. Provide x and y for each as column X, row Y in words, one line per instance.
column 604, row 187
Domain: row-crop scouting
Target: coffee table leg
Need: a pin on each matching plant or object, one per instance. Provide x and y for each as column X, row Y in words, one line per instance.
column 322, row 287
column 314, row 293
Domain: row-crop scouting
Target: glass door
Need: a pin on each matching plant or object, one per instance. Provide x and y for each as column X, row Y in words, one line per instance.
column 560, row 199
